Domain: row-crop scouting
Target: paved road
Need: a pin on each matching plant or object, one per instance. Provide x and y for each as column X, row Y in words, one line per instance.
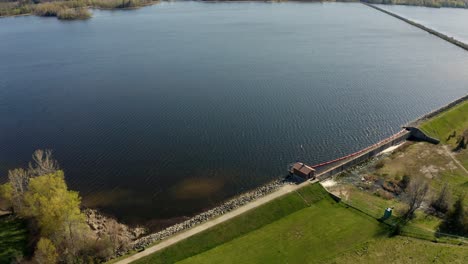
column 202, row 227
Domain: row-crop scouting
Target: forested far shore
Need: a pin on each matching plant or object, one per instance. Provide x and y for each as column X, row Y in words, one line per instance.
column 426, row 3
column 65, row 9
column 79, row 9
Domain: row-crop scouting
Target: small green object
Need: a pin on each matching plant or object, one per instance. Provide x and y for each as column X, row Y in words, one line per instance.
column 387, row 213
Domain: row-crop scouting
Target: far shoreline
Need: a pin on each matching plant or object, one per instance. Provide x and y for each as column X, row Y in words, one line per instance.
column 153, row 2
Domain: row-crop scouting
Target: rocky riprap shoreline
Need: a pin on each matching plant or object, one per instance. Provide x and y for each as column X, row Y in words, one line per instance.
column 102, row 225
column 226, row 207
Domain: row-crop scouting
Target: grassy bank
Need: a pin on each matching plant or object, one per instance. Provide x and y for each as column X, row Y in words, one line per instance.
column 426, row 161
column 403, row 250
column 445, row 124
column 316, row 229
column 13, row 239
column 283, row 230
column 451, row 127
column 314, row 233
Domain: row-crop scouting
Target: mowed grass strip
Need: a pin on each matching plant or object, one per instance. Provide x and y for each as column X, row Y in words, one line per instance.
column 13, row 239
column 403, row 250
column 239, row 226
column 442, row 125
column 310, row 235
column 299, row 227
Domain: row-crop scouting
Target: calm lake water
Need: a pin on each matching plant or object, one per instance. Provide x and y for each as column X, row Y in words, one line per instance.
column 450, row 21
column 158, row 113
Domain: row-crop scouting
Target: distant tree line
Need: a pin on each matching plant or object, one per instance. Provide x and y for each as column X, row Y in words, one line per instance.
column 427, row 3
column 77, row 9
column 64, row 9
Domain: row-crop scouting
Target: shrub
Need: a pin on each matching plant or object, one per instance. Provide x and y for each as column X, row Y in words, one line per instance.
column 48, row 9
column 441, row 204
column 379, row 164
column 119, row 3
column 45, row 252
column 462, row 141
column 73, row 13
column 383, row 194
column 391, row 186
column 456, row 220
column 396, row 230
column 109, row 3
column 13, row 9
column 76, row 3
column 404, row 182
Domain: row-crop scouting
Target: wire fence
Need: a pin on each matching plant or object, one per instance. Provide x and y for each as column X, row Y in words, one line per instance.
column 408, row 230
column 434, row 236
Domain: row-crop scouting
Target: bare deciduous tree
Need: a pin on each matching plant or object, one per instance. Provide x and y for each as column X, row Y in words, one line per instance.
column 43, row 164
column 116, row 235
column 414, row 195
column 19, row 180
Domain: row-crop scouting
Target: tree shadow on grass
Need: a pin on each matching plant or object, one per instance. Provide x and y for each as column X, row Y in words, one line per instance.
column 13, row 238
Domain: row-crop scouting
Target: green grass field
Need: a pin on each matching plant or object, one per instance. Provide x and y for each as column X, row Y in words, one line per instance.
column 309, row 235
column 442, row 125
column 431, row 162
column 13, row 239
column 445, row 124
column 428, row 161
column 284, row 230
column 306, row 227
column 403, row 250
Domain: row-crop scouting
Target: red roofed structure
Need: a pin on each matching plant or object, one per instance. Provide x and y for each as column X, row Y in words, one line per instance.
column 302, row 170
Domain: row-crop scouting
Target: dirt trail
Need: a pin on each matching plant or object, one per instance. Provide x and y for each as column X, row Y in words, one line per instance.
column 172, row 240
column 455, row 159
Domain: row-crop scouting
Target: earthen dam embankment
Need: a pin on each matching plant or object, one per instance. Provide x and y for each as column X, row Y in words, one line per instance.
column 429, row 30
column 330, row 168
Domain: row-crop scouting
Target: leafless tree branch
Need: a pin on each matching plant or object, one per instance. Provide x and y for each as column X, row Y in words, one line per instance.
column 43, row 163
column 414, row 195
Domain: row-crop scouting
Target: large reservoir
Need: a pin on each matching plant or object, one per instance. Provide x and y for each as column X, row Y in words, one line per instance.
column 158, row 113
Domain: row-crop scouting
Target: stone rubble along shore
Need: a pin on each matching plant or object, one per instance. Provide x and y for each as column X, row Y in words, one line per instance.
column 101, row 226
column 228, row 206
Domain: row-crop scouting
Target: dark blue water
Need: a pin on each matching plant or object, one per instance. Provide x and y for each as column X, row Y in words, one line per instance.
column 161, row 112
